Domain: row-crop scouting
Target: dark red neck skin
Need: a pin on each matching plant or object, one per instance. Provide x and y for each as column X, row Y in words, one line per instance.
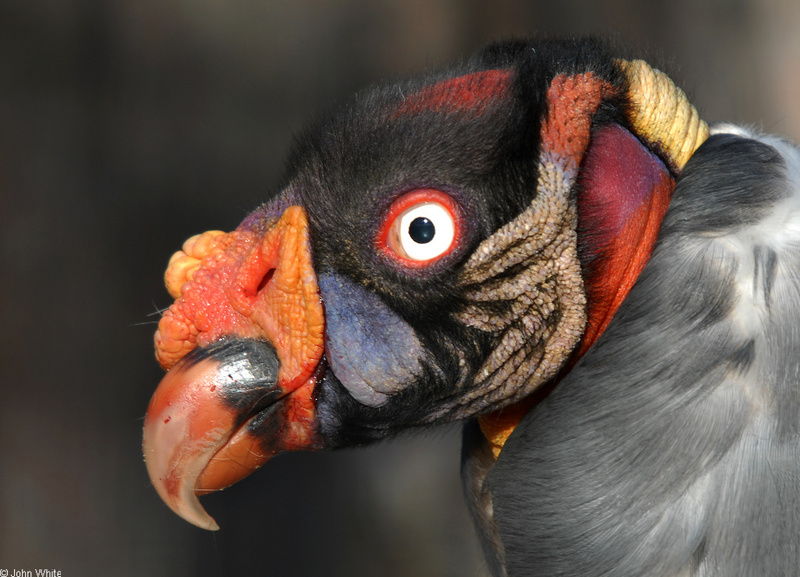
column 625, row 192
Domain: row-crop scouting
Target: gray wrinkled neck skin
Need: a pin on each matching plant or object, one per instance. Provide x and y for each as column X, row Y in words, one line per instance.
column 673, row 446
column 524, row 286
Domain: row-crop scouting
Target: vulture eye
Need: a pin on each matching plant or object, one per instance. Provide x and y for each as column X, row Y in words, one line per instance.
column 421, row 227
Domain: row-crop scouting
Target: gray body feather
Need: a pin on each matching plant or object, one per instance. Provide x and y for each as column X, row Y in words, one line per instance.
column 673, row 446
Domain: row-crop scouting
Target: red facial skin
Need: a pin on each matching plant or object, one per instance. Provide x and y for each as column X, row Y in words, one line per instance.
column 254, row 283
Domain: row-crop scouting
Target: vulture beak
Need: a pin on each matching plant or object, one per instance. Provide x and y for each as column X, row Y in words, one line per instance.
column 243, row 346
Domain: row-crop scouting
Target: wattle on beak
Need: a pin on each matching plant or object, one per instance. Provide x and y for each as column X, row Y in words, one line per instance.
column 243, row 346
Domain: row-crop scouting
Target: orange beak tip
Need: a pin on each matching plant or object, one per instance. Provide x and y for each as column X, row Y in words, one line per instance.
column 174, row 473
column 183, row 429
column 195, row 441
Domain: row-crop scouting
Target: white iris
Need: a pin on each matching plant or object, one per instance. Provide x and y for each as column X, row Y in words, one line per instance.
column 444, row 230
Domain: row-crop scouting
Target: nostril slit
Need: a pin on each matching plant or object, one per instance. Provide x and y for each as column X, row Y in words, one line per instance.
column 265, row 280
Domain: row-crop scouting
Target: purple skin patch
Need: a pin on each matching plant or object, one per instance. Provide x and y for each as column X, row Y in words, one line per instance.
column 372, row 351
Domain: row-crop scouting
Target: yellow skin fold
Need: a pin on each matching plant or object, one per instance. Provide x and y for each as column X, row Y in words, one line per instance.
column 661, row 114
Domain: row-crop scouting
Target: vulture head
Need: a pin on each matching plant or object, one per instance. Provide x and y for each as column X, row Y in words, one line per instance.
column 501, row 243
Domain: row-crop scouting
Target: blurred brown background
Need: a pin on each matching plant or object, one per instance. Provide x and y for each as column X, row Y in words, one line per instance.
column 126, row 127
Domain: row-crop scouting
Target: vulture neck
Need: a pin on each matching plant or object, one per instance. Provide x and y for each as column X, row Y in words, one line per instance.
column 624, row 193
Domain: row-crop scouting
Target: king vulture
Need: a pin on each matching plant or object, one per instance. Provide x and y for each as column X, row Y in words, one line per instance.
column 548, row 244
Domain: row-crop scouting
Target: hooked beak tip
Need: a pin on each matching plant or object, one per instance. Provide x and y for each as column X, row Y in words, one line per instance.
column 194, row 440
column 175, row 478
column 183, row 429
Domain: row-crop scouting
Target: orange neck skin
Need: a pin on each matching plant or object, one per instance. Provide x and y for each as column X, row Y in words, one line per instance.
column 626, row 192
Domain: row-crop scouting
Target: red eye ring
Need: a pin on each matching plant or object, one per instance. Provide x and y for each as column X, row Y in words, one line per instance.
column 444, row 213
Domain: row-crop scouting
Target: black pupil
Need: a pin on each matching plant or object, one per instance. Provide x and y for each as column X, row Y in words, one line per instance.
column 421, row 230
